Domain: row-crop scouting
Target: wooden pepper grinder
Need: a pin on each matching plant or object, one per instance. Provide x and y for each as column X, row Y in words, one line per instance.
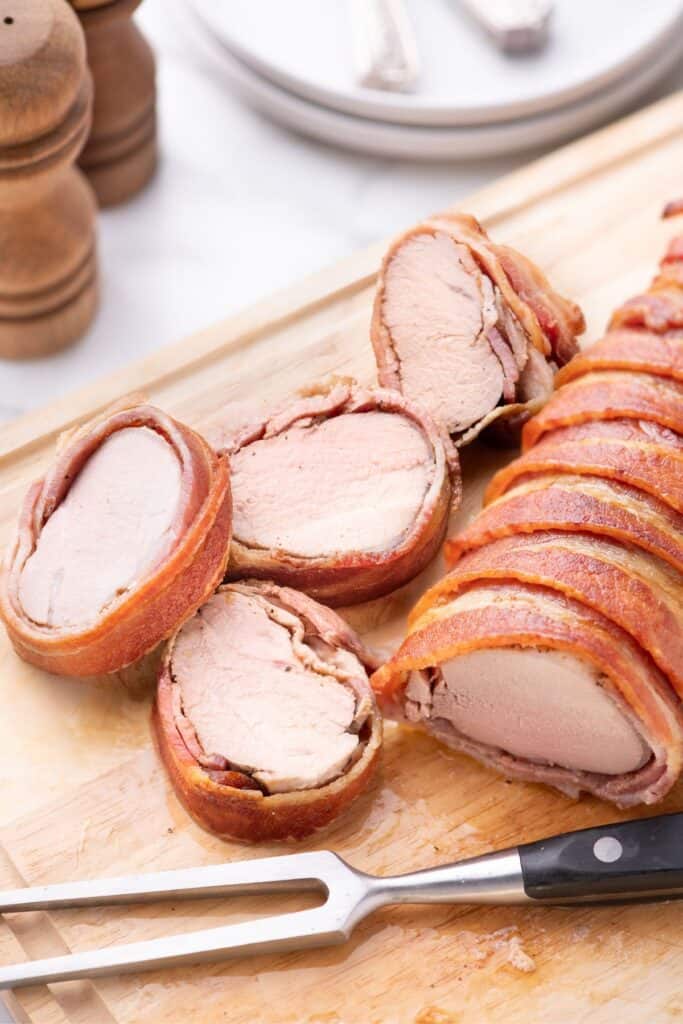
column 48, row 285
column 121, row 154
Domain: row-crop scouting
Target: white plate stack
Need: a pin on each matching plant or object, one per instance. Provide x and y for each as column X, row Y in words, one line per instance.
column 294, row 60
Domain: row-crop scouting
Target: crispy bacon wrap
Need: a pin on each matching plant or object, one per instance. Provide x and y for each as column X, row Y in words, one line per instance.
column 577, row 504
column 634, row 452
column 632, row 588
column 660, row 309
column 640, row 351
column 471, row 330
column 119, row 543
column 344, row 494
column 265, row 718
column 610, row 395
column 635, row 371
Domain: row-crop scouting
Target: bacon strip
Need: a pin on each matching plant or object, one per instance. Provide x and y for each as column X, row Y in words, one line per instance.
column 586, row 505
column 637, row 351
column 661, row 308
column 609, row 395
column 616, row 581
column 560, row 319
column 654, row 466
column 133, row 625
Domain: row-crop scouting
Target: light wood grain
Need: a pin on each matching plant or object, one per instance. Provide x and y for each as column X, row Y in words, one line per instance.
column 83, row 793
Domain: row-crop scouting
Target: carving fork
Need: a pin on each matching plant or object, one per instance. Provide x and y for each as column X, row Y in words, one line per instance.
column 635, row 860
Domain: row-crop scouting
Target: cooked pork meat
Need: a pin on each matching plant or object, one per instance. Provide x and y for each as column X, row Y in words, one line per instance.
column 320, row 488
column 456, row 319
column 112, row 527
column 344, row 494
column 117, row 545
column 277, row 713
column 515, row 699
column 265, row 716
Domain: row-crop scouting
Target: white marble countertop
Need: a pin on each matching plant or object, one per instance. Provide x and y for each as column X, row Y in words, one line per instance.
column 240, row 207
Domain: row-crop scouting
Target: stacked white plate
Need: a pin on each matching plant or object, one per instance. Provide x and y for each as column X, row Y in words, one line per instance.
column 293, row 60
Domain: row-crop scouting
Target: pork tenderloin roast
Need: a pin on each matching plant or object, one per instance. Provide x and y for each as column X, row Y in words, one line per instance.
column 264, row 716
column 553, row 649
column 470, row 330
column 541, row 688
column 344, row 494
column 118, row 544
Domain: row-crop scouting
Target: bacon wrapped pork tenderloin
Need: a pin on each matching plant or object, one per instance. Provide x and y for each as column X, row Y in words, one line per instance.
column 470, row 330
column 118, row 544
column 553, row 650
column 344, row 494
column 265, row 717
column 540, row 688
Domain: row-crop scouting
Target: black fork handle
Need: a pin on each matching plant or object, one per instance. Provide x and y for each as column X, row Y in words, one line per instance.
column 629, row 860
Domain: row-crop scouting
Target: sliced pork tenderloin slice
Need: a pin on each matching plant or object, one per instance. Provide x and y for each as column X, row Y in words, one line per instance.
column 113, row 526
column 577, row 504
column 541, row 689
column 610, row 395
column 265, row 717
column 344, row 494
column 454, row 323
column 437, row 314
column 632, row 588
column 117, row 545
column 642, row 455
column 636, row 350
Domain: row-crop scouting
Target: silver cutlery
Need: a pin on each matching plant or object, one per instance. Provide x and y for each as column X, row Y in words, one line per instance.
column 385, row 48
column 635, row 860
column 516, row 26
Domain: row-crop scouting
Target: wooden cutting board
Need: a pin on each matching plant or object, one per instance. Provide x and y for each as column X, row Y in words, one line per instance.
column 82, row 791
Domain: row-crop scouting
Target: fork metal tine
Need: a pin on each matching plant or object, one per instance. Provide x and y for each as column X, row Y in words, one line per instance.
column 299, row 930
column 294, row 872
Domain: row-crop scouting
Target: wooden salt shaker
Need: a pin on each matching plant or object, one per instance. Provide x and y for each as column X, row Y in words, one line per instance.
column 121, row 154
column 48, row 286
